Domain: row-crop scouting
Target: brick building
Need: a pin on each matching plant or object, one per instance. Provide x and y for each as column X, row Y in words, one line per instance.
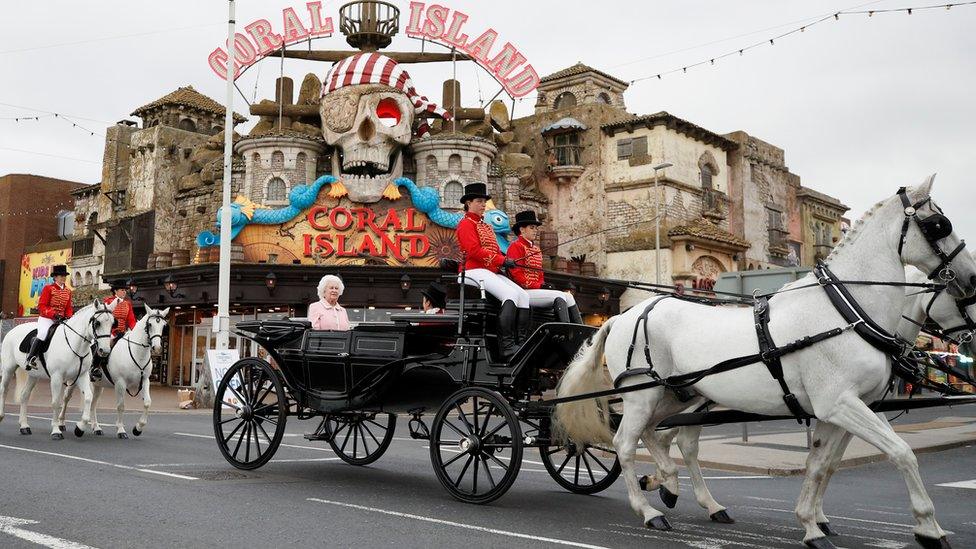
column 32, row 207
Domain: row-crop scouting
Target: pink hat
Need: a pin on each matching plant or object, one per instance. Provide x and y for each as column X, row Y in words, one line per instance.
column 376, row 68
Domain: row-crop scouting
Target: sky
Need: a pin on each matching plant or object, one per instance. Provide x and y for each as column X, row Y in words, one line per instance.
column 861, row 105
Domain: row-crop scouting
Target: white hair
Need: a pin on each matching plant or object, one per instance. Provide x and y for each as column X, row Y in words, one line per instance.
column 325, row 282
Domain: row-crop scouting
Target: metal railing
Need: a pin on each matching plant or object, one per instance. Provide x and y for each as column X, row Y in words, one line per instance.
column 564, row 155
column 369, row 23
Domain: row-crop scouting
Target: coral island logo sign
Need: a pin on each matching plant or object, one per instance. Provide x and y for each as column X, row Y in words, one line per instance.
column 436, row 23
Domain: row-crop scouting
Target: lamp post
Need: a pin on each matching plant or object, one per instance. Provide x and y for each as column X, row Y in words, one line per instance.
column 657, row 223
column 223, row 277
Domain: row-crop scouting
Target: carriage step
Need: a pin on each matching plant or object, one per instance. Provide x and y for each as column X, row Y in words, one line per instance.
column 317, row 436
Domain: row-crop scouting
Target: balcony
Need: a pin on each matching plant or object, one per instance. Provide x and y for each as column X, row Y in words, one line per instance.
column 565, row 164
column 369, row 25
column 712, row 204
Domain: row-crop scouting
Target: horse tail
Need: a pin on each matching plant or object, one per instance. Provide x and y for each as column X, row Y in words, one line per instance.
column 585, row 421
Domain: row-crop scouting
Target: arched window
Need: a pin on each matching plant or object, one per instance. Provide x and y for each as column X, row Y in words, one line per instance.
column 300, row 167
column 77, row 279
column 453, row 191
column 256, row 159
column 277, row 160
column 706, row 177
column 188, row 125
column 88, row 278
column 454, row 163
column 216, row 129
column 565, row 100
column 604, row 98
column 92, row 221
column 476, row 168
column 431, row 166
column 276, row 190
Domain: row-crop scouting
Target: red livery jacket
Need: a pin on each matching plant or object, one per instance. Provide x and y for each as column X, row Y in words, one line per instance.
column 125, row 316
column 477, row 241
column 526, row 254
column 55, row 301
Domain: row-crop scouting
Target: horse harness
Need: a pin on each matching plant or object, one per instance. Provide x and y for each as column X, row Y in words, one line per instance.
column 81, row 358
column 142, row 368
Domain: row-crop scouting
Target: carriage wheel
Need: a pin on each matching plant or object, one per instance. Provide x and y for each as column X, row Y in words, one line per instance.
column 581, row 470
column 249, row 427
column 476, row 445
column 360, row 439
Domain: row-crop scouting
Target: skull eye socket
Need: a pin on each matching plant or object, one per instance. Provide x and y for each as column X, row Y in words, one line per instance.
column 388, row 111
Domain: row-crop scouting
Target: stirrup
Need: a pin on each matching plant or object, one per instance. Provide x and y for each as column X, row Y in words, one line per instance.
column 95, row 374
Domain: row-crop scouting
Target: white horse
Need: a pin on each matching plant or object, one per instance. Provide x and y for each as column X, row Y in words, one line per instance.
column 66, row 362
column 833, row 379
column 940, row 308
column 128, row 370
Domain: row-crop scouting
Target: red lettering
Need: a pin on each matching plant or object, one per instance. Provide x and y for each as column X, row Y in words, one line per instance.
column 452, row 35
column 411, row 222
column 320, row 27
column 419, row 245
column 307, row 239
column 388, row 246
column 481, row 46
column 505, row 62
column 334, row 216
column 416, row 11
column 341, row 245
column 264, row 36
column 522, row 83
column 391, row 219
column 313, row 217
column 436, row 21
column 323, row 243
column 368, row 246
column 294, row 30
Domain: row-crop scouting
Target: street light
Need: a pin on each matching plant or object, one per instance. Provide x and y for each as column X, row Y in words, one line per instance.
column 657, row 223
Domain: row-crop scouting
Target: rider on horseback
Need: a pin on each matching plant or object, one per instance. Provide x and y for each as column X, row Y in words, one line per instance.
column 125, row 319
column 54, row 306
column 529, row 273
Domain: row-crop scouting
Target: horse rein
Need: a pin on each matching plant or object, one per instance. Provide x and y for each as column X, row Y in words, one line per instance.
column 934, row 228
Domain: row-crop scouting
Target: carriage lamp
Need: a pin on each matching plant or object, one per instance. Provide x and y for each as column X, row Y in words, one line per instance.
column 604, row 295
column 405, row 284
column 133, row 288
column 270, row 282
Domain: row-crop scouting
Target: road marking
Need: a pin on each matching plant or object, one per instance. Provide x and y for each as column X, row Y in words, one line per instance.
column 881, row 522
column 99, row 462
column 457, row 524
column 210, row 437
column 221, row 464
column 8, row 525
column 971, row 484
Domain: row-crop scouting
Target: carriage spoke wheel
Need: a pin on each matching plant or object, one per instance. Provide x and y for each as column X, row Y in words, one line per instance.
column 360, row 438
column 250, row 409
column 476, row 445
column 581, row 469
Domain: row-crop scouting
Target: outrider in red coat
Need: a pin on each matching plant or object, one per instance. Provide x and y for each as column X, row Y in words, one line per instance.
column 477, row 240
column 55, row 301
column 526, row 254
column 125, row 316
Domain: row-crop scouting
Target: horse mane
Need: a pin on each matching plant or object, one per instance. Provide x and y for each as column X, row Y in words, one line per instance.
column 857, row 229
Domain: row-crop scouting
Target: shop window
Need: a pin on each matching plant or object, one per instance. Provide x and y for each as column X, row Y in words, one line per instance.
column 276, row 190
column 453, row 191
column 565, row 100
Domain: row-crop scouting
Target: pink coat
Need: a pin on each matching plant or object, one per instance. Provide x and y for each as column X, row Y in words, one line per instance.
column 326, row 317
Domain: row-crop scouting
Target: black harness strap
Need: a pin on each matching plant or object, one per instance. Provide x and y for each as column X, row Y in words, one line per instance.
column 771, row 360
column 649, row 371
column 851, row 311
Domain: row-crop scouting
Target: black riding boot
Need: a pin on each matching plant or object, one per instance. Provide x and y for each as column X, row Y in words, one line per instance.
column 95, row 373
column 574, row 315
column 524, row 320
column 31, row 362
column 507, row 321
column 561, row 309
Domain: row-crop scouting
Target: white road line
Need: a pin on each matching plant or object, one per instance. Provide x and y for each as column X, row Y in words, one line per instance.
column 457, row 524
column 9, row 525
column 283, row 445
column 98, row 462
column 881, row 522
column 971, row 484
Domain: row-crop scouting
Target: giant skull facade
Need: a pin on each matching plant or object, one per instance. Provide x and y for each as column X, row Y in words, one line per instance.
column 368, row 126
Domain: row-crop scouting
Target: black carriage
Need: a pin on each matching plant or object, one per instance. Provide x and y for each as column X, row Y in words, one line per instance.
column 485, row 411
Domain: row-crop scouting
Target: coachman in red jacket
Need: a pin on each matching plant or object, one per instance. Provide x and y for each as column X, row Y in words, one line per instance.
column 482, row 262
column 528, row 272
column 125, row 320
column 53, row 306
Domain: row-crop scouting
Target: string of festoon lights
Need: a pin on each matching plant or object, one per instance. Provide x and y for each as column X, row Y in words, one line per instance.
column 50, row 209
column 771, row 41
column 58, row 116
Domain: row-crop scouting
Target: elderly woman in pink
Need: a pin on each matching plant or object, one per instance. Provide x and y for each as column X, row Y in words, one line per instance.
column 326, row 313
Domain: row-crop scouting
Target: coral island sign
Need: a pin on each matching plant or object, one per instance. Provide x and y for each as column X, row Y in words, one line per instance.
column 435, row 22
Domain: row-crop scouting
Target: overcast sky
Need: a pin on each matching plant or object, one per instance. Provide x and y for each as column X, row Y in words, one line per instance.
column 861, row 105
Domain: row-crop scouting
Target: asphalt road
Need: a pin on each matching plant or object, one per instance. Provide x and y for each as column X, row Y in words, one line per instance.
column 170, row 487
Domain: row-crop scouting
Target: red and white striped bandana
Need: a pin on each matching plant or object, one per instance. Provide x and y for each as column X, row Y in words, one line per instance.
column 376, row 68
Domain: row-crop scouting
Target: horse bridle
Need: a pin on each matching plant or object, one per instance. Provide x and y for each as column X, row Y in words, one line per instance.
column 968, row 327
column 934, row 228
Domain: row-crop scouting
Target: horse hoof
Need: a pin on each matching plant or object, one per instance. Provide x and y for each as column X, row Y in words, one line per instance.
column 78, row 432
column 57, row 436
column 98, row 432
column 25, row 430
column 825, row 528
column 820, row 543
column 722, row 517
column 933, row 543
column 61, row 428
column 667, row 497
column 658, row 523
column 123, row 435
column 136, row 431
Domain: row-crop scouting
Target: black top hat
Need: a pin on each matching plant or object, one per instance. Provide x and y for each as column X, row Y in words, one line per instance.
column 59, row 270
column 527, row 217
column 475, row 190
column 436, row 293
column 119, row 284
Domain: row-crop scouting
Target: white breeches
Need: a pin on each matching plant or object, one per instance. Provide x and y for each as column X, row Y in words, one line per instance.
column 545, row 298
column 43, row 325
column 497, row 285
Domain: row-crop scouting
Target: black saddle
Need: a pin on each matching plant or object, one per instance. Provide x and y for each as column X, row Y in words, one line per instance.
column 25, row 343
